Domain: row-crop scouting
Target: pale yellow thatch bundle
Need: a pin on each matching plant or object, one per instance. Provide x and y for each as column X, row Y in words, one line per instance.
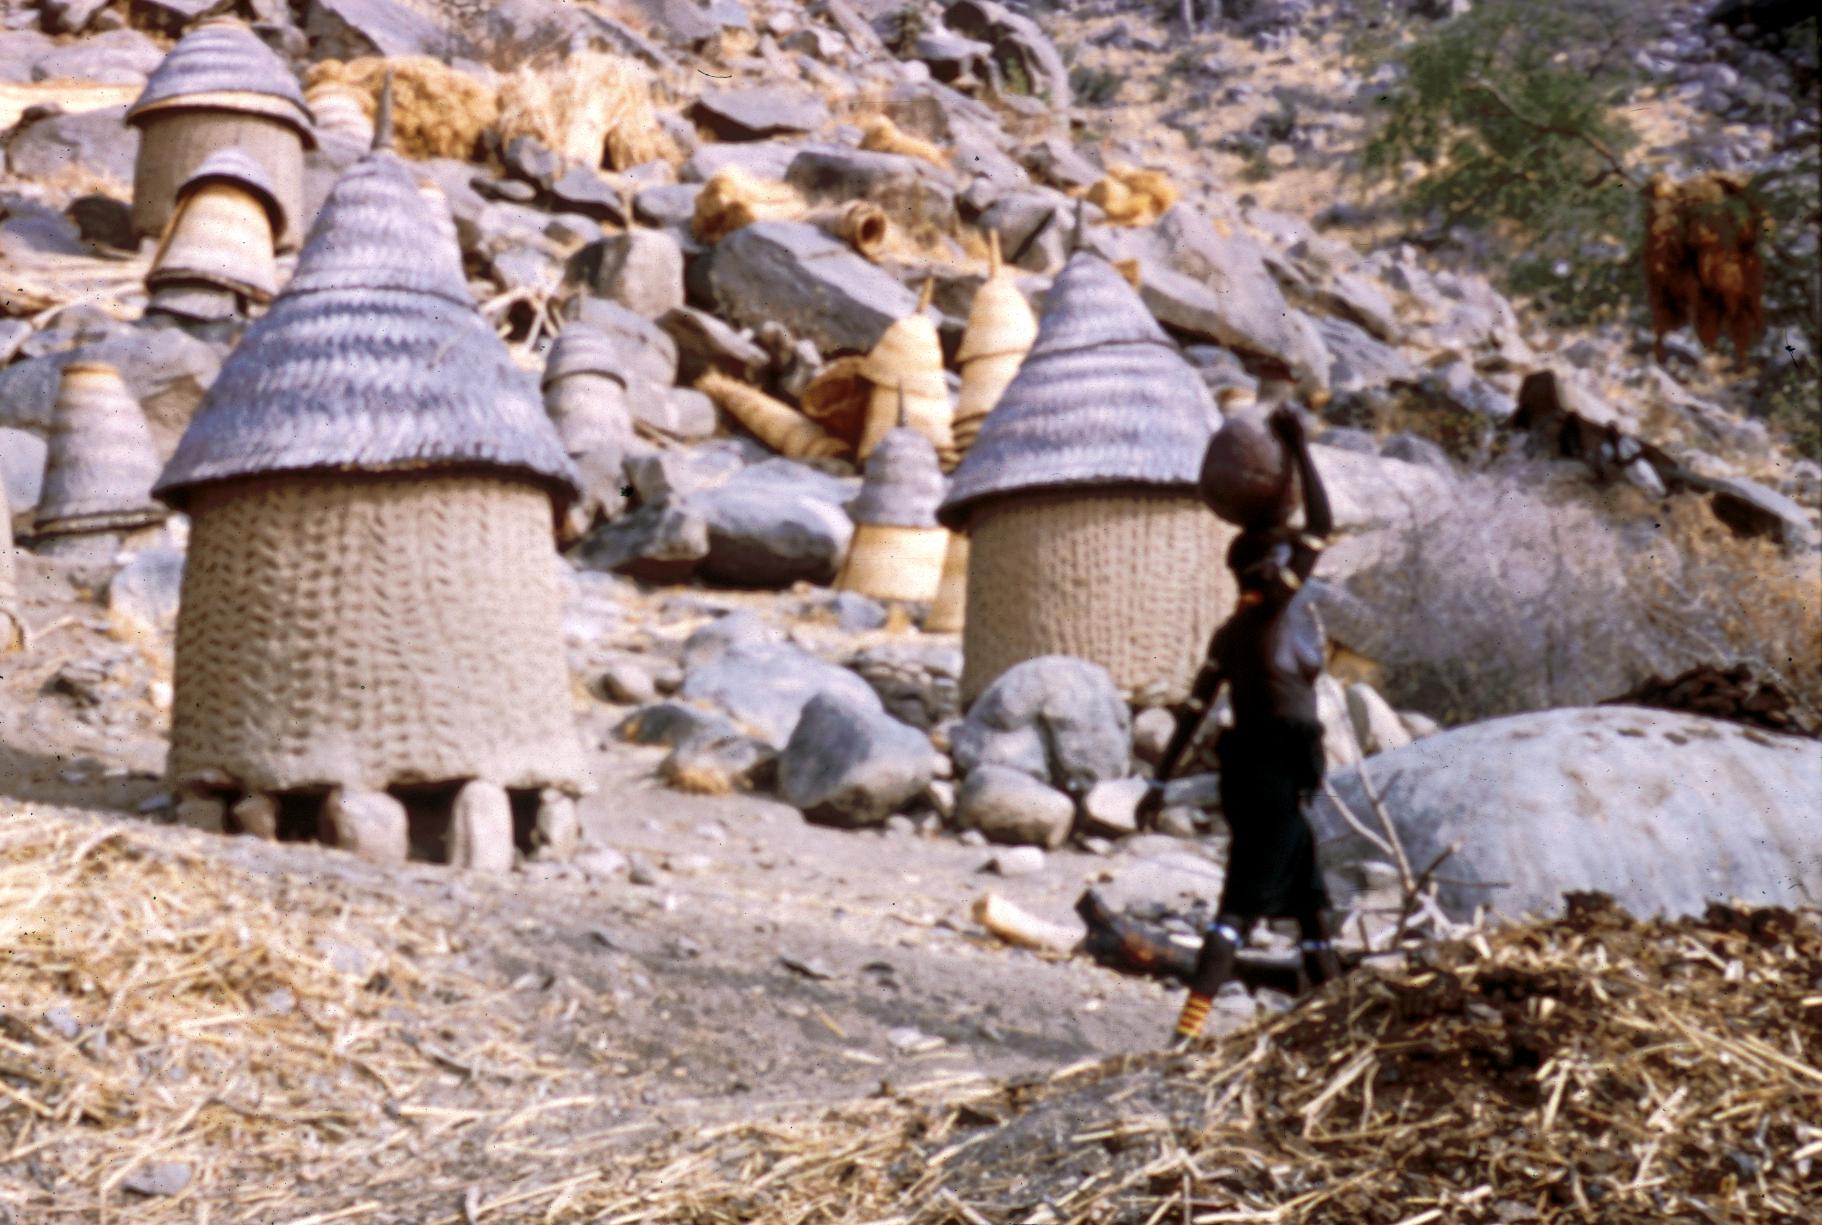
column 773, row 422
column 590, row 107
column 1001, row 329
column 837, row 397
column 907, row 364
column 732, row 198
column 437, row 111
column 1132, row 196
column 948, row 611
column 880, row 135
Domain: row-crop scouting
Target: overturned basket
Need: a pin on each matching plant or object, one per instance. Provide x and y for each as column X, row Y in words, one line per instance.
column 898, row 547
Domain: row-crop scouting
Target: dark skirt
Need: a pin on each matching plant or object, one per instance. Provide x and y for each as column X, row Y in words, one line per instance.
column 1268, row 771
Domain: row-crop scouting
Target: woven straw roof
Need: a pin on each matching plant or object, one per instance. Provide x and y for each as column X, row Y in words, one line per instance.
column 220, row 57
column 903, row 484
column 100, row 466
column 234, row 166
column 1103, row 399
column 580, row 349
column 373, row 359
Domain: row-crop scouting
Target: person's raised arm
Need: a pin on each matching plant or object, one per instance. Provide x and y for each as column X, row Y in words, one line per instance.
column 1318, row 519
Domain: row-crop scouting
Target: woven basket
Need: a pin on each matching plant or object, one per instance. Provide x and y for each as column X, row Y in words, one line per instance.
column 590, row 413
column 908, row 359
column 860, row 224
column 838, row 397
column 221, row 235
column 368, row 631
column 340, row 118
column 773, row 422
column 1132, row 579
column 101, row 462
column 895, row 563
column 1001, row 330
column 948, row 611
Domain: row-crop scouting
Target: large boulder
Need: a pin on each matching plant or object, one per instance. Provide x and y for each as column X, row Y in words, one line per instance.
column 1056, row 718
column 774, row 524
column 1010, row 806
column 816, row 287
column 759, row 112
column 909, row 190
column 94, row 144
column 351, row 29
column 764, row 689
column 1665, row 811
column 850, row 765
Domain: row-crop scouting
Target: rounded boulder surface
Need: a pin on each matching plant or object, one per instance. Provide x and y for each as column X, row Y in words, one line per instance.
column 1010, row 806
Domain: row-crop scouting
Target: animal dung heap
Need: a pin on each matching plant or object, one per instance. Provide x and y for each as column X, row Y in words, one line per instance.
column 220, row 87
column 99, row 467
column 217, row 253
column 1087, row 534
column 898, row 547
column 370, row 613
column 905, row 369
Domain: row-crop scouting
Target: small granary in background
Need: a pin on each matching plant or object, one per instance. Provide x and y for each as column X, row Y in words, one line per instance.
column 342, row 127
column 1001, row 329
column 585, row 394
column 98, row 470
column 219, row 88
column 898, row 547
column 1088, row 537
column 217, row 255
column 906, row 364
column 371, row 606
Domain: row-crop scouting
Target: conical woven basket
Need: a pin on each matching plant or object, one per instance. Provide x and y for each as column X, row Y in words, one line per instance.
column 221, row 235
column 101, row 462
column 373, row 359
column 219, row 88
column 1001, row 330
column 340, row 117
column 894, row 563
column 908, row 359
column 773, row 422
column 948, row 611
column 898, row 549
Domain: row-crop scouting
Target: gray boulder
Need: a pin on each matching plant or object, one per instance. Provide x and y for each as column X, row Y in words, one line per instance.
column 744, row 630
column 760, row 112
column 850, row 765
column 655, row 544
column 763, row 159
column 22, row 456
column 1360, row 359
column 350, row 29
column 764, row 689
column 762, row 536
column 1056, row 718
column 669, row 724
column 117, row 57
column 1033, row 227
column 919, row 682
column 716, row 764
column 1011, row 806
column 86, row 144
column 1665, row 811
column 906, row 188
column 816, row 287
column 641, row 270
column 143, row 594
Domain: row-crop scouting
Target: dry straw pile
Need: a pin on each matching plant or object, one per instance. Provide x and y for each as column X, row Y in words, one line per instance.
column 437, row 111
column 590, row 107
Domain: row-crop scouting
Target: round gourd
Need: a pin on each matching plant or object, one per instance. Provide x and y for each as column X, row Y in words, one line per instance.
column 1246, row 477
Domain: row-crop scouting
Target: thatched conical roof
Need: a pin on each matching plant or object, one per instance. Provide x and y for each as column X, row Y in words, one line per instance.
column 1103, row 398
column 100, row 465
column 220, row 57
column 235, row 167
column 903, row 484
column 373, row 359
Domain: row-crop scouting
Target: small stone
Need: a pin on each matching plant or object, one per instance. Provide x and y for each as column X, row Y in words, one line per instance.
column 1010, row 806
column 202, row 812
column 856, row 613
column 973, row 838
column 1018, row 861
column 1111, row 807
column 105, row 221
column 757, row 113
column 940, row 795
column 158, row 1178
column 557, row 829
column 257, row 816
column 480, row 828
column 640, row 870
column 626, row 684
column 1151, row 732
column 1178, row 822
column 1418, row 724
column 370, row 824
column 1376, row 724
column 908, row 1041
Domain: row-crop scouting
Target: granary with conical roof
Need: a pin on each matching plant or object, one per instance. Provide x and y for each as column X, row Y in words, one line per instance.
column 219, row 88
column 99, row 468
column 216, row 259
column 1079, row 496
column 368, row 645
column 898, row 546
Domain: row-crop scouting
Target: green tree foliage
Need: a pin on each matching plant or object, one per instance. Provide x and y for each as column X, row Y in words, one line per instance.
column 1511, row 119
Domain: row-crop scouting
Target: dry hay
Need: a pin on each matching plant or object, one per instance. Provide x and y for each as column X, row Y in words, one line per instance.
column 1702, row 262
column 437, row 111
column 1592, row 1068
column 590, row 107
column 880, row 135
column 1132, row 196
column 732, row 198
column 287, row 1040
